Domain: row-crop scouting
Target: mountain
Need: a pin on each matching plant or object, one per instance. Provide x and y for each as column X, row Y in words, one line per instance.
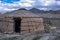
column 34, row 10
column 41, row 13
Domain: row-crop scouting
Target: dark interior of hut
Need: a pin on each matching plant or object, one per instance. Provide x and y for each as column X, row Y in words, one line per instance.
column 17, row 25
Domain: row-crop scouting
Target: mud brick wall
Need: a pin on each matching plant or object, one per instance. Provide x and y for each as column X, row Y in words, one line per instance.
column 28, row 25
column 32, row 25
column 8, row 25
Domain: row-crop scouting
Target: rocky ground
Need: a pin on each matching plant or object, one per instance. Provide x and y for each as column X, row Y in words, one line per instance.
column 30, row 36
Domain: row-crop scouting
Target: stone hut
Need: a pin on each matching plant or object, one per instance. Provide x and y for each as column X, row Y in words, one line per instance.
column 22, row 21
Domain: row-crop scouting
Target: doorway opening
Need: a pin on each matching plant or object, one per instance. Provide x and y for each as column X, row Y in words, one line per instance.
column 17, row 25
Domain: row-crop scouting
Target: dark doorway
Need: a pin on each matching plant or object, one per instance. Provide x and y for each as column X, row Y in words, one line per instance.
column 17, row 25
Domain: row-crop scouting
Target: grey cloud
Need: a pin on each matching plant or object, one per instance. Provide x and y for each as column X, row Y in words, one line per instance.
column 39, row 4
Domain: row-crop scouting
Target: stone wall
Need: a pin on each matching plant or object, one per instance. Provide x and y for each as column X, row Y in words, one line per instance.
column 28, row 25
column 32, row 25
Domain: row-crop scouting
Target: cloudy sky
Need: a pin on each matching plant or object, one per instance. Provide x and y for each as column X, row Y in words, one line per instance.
column 10, row 5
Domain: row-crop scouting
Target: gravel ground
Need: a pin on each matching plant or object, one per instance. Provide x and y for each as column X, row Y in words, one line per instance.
column 29, row 36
